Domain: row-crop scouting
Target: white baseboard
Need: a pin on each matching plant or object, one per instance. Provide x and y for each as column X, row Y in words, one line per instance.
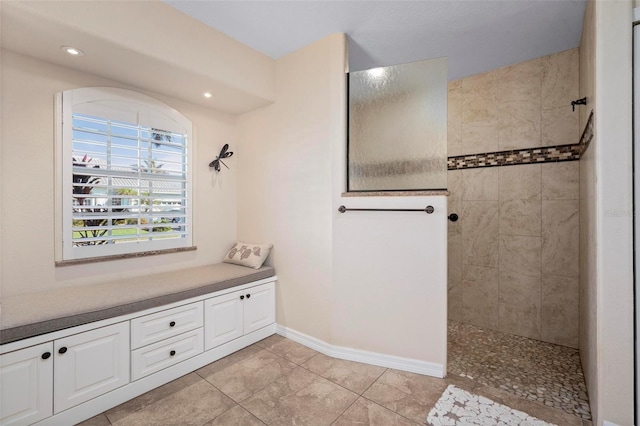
column 382, row 360
column 606, row 423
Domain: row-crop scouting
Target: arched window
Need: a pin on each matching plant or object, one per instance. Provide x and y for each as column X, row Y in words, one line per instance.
column 126, row 173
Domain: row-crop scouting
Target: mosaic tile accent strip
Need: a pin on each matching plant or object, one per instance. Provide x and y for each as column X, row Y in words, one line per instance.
column 547, row 154
column 587, row 134
column 521, row 156
column 459, row 407
column 537, row 371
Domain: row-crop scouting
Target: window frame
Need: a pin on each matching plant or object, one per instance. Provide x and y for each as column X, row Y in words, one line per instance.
column 140, row 104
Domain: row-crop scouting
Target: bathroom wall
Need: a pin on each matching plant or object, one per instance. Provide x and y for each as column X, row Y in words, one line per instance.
column 513, row 255
column 27, row 175
column 364, row 282
column 588, row 240
column 608, row 197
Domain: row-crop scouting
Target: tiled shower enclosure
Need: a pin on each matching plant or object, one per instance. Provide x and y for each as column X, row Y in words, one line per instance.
column 514, row 253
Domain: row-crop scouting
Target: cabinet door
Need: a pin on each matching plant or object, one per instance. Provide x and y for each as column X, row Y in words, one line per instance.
column 90, row 364
column 222, row 319
column 26, row 382
column 259, row 307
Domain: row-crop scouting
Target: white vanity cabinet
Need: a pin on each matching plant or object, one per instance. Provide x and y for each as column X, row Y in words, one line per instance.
column 90, row 364
column 72, row 374
column 27, row 385
column 85, row 365
column 235, row 314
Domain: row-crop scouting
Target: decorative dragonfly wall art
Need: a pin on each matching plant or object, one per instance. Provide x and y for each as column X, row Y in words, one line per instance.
column 224, row 153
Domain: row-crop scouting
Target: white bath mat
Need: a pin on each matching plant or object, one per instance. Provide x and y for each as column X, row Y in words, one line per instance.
column 457, row 407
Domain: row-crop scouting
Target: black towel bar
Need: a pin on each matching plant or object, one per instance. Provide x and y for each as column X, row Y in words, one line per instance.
column 428, row 210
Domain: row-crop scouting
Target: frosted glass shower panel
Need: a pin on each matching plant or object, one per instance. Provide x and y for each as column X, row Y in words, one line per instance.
column 398, row 127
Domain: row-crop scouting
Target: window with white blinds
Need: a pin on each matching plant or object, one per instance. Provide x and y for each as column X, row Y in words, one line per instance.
column 126, row 174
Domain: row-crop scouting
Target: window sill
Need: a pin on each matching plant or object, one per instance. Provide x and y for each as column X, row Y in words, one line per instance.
column 122, row 256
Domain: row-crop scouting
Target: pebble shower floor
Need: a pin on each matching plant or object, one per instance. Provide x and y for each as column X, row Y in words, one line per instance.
column 538, row 371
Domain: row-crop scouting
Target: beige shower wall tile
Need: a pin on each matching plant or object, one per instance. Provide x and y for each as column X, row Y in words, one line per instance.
column 473, row 273
column 519, row 304
column 520, row 320
column 480, row 296
column 560, row 126
column 520, row 254
column 520, row 217
column 561, row 181
column 454, row 228
column 521, row 91
column 454, row 261
column 480, row 97
column 560, row 310
column 455, row 84
column 521, row 70
column 521, row 182
column 560, row 237
column 519, row 127
column 480, row 233
column 454, row 118
column 480, row 184
column 480, row 137
column 560, row 78
column 518, row 289
column 519, row 109
column 454, row 303
column 454, row 185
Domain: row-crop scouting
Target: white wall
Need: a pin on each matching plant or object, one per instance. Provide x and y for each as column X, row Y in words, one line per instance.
column 390, row 277
column 614, row 215
column 369, row 281
column 27, row 183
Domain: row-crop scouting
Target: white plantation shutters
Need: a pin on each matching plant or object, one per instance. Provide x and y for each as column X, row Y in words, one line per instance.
column 126, row 174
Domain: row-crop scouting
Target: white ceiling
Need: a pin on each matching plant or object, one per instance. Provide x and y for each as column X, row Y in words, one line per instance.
column 476, row 35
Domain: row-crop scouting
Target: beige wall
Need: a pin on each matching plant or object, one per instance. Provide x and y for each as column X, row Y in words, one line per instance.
column 27, row 177
column 588, row 242
column 164, row 50
column 513, row 255
column 346, row 279
column 613, row 213
column 284, row 184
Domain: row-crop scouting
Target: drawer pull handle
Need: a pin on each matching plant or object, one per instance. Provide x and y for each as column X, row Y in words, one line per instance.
column 172, row 353
column 62, row 350
column 248, row 296
column 46, row 355
column 241, row 297
column 172, row 324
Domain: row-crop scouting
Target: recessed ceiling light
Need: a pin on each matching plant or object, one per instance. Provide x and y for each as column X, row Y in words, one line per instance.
column 207, row 95
column 73, row 51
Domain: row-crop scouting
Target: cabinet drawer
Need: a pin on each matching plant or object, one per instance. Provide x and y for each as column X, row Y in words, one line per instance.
column 163, row 354
column 162, row 325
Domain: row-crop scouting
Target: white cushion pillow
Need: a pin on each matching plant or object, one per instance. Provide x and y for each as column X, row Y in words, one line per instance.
column 247, row 254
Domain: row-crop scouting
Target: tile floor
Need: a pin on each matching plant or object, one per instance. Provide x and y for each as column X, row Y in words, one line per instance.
column 531, row 369
column 279, row 382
